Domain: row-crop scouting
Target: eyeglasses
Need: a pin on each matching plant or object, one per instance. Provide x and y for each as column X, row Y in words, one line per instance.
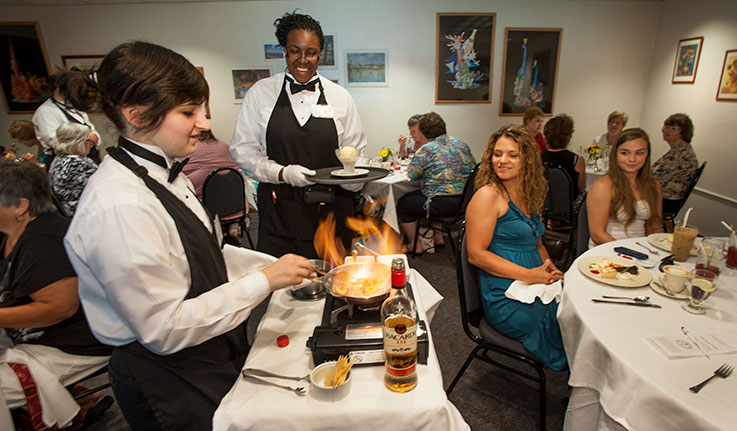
column 671, row 128
column 294, row 54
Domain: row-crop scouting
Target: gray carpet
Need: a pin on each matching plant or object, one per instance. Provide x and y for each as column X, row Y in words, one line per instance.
column 487, row 397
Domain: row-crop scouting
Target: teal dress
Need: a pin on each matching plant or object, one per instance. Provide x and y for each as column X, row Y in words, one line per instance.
column 535, row 325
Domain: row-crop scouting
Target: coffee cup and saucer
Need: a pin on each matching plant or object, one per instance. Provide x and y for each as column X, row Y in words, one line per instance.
column 672, row 282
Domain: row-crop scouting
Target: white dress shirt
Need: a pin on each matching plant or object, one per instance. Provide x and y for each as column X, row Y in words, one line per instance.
column 48, row 117
column 248, row 146
column 133, row 271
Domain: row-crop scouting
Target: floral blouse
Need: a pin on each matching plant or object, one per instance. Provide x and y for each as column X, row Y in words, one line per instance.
column 442, row 166
column 675, row 171
column 69, row 174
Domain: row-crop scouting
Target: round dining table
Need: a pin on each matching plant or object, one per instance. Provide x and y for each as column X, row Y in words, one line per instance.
column 619, row 379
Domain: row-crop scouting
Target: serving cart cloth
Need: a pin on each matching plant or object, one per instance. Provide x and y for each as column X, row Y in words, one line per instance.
column 619, row 380
column 393, row 187
column 369, row 406
column 523, row 292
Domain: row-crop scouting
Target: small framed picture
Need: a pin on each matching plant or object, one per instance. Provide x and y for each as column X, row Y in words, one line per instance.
column 687, row 60
column 367, row 68
column 273, row 51
column 82, row 62
column 244, row 78
column 328, row 59
column 727, row 90
column 206, row 105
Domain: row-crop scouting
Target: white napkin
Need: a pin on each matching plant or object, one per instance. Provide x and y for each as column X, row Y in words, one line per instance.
column 523, row 292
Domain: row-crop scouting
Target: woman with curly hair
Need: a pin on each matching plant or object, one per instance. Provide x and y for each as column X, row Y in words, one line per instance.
column 503, row 241
column 626, row 202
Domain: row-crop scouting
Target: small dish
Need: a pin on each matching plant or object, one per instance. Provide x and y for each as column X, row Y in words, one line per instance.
column 320, row 391
column 357, row 172
column 656, row 287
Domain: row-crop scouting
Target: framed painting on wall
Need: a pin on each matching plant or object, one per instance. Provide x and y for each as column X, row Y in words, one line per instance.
column 25, row 66
column 244, row 78
column 328, row 60
column 82, row 62
column 687, row 60
column 531, row 57
column 464, row 53
column 206, row 105
column 273, row 51
column 367, row 68
column 727, row 89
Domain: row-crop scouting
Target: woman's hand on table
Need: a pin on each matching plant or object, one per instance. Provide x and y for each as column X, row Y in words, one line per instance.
column 546, row 273
column 288, row 270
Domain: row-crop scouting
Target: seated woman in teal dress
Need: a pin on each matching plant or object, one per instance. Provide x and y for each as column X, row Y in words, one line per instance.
column 503, row 241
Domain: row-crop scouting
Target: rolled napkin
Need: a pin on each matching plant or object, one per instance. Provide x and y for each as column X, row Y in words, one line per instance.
column 523, row 292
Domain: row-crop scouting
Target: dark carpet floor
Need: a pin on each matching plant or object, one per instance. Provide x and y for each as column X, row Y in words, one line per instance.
column 488, row 398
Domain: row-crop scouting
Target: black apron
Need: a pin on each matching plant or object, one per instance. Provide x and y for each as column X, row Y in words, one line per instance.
column 287, row 223
column 94, row 154
column 185, row 388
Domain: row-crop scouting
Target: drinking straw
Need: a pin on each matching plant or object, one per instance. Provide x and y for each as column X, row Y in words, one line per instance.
column 728, row 226
column 685, row 218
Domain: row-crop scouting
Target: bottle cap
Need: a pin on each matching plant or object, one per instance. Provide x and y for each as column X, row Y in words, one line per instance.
column 282, row 341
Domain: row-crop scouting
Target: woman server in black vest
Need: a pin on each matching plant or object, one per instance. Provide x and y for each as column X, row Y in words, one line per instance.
column 153, row 280
column 289, row 125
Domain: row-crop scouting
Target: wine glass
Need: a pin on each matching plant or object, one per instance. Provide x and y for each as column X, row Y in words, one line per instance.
column 700, row 286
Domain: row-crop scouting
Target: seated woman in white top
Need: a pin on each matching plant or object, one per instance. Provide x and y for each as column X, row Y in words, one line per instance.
column 626, row 202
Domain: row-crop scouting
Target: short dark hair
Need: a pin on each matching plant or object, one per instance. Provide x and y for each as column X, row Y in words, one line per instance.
column 531, row 113
column 558, row 131
column 25, row 180
column 74, row 89
column 413, row 120
column 685, row 124
column 431, row 125
column 157, row 78
column 296, row 21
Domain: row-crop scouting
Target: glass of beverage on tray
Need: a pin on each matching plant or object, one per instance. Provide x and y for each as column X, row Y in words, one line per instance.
column 683, row 238
column 711, row 255
column 348, row 157
column 732, row 252
column 700, row 286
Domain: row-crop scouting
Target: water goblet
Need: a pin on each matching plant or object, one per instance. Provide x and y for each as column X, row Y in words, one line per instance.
column 700, row 286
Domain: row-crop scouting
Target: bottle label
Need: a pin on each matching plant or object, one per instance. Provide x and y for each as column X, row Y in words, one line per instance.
column 401, row 372
column 399, row 278
column 400, row 340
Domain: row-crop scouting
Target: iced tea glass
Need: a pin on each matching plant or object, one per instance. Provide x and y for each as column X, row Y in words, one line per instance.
column 683, row 238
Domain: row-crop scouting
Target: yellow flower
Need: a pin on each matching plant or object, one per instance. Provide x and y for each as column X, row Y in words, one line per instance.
column 384, row 153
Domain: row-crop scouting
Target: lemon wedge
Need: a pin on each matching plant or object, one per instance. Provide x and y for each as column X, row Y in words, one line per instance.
column 705, row 285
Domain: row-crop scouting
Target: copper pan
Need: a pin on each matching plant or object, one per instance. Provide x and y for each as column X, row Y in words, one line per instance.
column 339, row 281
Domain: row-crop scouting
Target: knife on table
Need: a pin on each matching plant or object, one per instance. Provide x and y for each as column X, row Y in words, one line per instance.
column 636, row 304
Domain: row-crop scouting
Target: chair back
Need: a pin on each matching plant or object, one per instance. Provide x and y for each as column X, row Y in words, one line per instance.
column 582, row 230
column 692, row 185
column 223, row 192
column 469, row 188
column 469, row 294
column 560, row 197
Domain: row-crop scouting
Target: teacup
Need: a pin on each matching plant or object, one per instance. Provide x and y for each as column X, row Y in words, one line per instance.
column 674, row 278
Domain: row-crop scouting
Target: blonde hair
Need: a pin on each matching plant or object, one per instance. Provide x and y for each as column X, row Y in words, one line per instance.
column 616, row 114
column 623, row 198
column 534, row 185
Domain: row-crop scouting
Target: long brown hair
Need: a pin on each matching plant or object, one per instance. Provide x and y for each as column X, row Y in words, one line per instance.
column 623, row 198
column 534, row 186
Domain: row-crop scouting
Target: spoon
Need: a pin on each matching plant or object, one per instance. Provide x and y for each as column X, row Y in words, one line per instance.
column 640, row 298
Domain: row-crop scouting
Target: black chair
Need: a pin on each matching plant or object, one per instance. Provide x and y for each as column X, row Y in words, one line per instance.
column 448, row 222
column 478, row 329
column 670, row 217
column 582, row 229
column 224, row 194
column 560, row 198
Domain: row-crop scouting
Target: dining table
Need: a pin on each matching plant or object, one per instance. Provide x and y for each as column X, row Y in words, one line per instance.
column 392, row 187
column 369, row 405
column 619, row 379
column 593, row 174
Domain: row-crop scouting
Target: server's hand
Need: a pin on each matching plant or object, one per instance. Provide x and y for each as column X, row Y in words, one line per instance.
column 295, row 175
column 288, row 270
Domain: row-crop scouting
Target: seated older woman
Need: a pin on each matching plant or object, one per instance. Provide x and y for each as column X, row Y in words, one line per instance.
column 442, row 166
column 71, row 167
column 677, row 168
column 558, row 132
column 533, row 120
column 39, row 306
column 615, row 122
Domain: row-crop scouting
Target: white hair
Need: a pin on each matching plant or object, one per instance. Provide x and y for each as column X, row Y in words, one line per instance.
column 71, row 138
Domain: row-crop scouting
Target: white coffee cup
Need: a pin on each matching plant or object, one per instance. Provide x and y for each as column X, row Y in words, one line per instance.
column 674, row 278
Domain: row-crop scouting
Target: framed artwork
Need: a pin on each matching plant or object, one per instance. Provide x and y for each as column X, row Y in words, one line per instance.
column 206, row 105
column 367, row 68
column 328, row 59
column 464, row 54
column 244, row 78
column 273, row 51
column 728, row 82
column 82, row 62
column 687, row 60
column 25, row 66
column 531, row 57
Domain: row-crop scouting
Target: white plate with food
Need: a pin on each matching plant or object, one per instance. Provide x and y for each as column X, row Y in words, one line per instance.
column 664, row 241
column 357, row 172
column 614, row 271
column 656, row 287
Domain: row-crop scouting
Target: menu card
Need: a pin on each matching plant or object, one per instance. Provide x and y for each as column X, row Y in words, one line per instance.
column 682, row 347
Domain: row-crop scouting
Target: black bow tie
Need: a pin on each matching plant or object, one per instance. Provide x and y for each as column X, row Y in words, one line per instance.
column 143, row 153
column 296, row 87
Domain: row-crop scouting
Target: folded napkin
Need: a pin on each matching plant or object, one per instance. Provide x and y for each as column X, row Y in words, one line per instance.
column 523, row 292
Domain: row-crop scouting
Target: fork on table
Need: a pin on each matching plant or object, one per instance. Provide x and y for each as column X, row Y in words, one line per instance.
column 651, row 250
column 724, row 371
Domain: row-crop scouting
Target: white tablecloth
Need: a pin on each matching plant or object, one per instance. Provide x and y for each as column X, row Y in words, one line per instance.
column 592, row 175
column 369, row 406
column 393, row 186
column 617, row 375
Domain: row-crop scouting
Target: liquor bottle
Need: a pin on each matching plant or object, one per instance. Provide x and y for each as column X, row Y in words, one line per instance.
column 399, row 317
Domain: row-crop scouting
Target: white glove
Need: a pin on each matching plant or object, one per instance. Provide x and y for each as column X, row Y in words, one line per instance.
column 294, row 175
